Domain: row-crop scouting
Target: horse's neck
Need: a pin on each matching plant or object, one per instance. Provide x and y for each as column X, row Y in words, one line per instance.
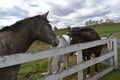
column 15, row 42
column 25, row 39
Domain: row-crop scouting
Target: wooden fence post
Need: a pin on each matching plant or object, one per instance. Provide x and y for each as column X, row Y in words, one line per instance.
column 115, row 54
column 110, row 46
column 79, row 60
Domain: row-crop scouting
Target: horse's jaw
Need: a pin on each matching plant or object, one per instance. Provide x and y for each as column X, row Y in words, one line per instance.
column 55, row 42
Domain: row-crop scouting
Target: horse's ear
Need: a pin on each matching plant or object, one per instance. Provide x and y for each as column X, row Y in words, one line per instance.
column 45, row 15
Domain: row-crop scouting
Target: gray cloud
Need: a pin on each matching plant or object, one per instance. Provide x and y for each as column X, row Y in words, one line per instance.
column 65, row 13
column 101, row 9
column 97, row 13
column 15, row 11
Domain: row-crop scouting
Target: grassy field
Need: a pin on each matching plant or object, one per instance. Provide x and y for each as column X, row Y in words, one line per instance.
column 36, row 68
column 115, row 30
column 104, row 31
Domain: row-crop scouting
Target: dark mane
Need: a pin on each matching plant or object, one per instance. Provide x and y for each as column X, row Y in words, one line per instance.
column 22, row 23
column 86, row 29
column 18, row 24
column 78, row 29
column 14, row 27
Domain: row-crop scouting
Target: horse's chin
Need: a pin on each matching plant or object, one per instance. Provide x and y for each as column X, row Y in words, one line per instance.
column 55, row 43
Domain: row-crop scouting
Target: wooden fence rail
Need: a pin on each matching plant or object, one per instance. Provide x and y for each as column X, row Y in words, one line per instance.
column 27, row 57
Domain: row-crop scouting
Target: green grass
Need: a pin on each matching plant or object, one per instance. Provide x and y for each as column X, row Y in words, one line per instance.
column 104, row 31
column 61, row 32
column 114, row 75
column 35, row 68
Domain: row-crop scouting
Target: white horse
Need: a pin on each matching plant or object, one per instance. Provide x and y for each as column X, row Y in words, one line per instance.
column 60, row 62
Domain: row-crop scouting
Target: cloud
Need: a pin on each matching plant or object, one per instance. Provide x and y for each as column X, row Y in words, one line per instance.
column 94, row 9
column 63, row 13
column 9, row 16
column 15, row 11
column 64, row 7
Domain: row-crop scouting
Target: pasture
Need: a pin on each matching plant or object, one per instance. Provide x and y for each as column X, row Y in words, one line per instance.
column 36, row 68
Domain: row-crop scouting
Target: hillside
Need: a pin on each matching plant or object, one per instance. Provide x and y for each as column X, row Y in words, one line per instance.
column 103, row 31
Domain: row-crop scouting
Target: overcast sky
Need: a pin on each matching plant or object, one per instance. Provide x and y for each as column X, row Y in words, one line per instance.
column 63, row 13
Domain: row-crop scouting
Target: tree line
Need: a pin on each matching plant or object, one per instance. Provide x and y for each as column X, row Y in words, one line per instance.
column 95, row 23
column 107, row 22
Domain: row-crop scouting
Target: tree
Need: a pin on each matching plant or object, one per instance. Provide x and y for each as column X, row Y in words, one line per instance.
column 101, row 21
column 55, row 28
column 90, row 22
column 109, row 21
column 87, row 23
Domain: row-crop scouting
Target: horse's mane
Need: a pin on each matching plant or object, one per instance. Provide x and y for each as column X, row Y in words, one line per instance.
column 14, row 27
column 86, row 29
column 81, row 30
column 19, row 24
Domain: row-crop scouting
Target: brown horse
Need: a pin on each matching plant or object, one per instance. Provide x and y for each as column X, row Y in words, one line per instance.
column 81, row 35
column 18, row 37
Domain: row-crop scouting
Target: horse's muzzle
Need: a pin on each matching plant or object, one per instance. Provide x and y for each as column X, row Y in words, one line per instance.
column 56, row 42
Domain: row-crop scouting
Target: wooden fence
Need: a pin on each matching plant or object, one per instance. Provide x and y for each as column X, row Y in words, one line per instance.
column 27, row 57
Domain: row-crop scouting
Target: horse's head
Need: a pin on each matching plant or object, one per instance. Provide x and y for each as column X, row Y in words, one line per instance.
column 73, row 32
column 74, row 35
column 43, row 30
column 62, row 41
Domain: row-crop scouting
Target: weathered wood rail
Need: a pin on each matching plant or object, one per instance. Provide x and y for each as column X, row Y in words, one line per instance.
column 27, row 57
